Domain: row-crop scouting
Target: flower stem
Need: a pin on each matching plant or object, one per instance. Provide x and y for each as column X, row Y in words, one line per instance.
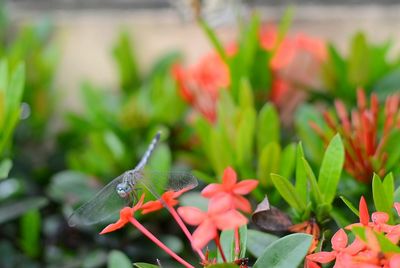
column 184, row 229
column 217, row 242
column 147, row 233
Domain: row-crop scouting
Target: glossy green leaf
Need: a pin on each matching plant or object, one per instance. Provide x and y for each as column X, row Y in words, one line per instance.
column 331, row 169
column 126, row 62
column 288, row 251
column 268, row 162
column 246, row 98
column 258, row 241
column 359, row 61
column 227, row 239
column 145, row 265
column 350, row 205
column 288, row 192
column 245, row 138
column 5, row 167
column 117, row 259
column 30, row 226
column 287, row 161
column 315, row 191
column 301, row 184
column 382, row 192
column 386, row 245
column 214, row 39
column 268, row 126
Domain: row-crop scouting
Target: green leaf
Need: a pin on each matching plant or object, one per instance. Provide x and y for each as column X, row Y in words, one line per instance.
column 12, row 210
column 315, row 191
column 350, row 206
column 258, row 241
column 114, row 144
column 5, row 167
column 287, row 161
column 301, row 176
column 245, row 137
column 227, row 239
column 386, row 245
column 383, row 193
column 388, row 85
column 268, row 162
column 288, row 192
column 30, row 225
column 145, row 265
column 331, row 168
column 117, row 259
column 341, row 218
column 359, row 62
column 126, row 61
column 268, row 126
column 288, row 251
column 213, row 39
column 246, row 98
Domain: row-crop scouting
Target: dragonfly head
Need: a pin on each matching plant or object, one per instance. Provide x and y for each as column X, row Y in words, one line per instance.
column 123, row 189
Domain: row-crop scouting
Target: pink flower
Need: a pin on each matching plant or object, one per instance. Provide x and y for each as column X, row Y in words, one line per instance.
column 231, row 190
column 218, row 217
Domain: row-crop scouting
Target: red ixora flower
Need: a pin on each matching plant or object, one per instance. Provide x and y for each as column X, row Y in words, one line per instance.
column 169, row 199
column 199, row 85
column 362, row 254
column 232, row 190
column 218, row 217
column 365, row 153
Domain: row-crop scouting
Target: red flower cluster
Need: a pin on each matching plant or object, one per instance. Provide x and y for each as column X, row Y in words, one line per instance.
column 296, row 64
column 364, row 150
column 199, row 85
column 360, row 253
column 222, row 212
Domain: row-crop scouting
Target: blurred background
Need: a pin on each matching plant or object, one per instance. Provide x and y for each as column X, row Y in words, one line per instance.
column 98, row 84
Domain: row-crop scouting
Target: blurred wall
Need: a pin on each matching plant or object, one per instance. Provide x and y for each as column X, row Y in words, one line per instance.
column 85, row 37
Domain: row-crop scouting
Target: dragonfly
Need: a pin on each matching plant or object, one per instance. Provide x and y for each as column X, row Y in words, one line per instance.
column 122, row 191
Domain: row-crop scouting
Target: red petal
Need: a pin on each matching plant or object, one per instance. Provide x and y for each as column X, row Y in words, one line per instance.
column 229, row 178
column 212, row 189
column 126, row 213
column 192, row 215
column 380, row 217
column 355, row 247
column 242, row 204
column 395, row 261
column 339, row 240
column 151, row 206
column 230, row 220
column 311, row 264
column 220, row 203
column 139, row 203
column 113, row 226
column 203, row 234
column 245, row 187
column 322, row 257
column 363, row 208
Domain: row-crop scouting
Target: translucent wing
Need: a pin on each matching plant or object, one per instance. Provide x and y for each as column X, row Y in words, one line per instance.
column 104, row 205
column 159, row 182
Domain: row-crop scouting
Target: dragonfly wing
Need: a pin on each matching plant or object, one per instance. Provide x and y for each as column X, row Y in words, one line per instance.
column 104, row 205
column 159, row 182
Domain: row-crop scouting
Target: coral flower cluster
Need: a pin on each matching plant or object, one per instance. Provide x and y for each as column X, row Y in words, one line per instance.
column 364, row 252
column 360, row 131
column 224, row 201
